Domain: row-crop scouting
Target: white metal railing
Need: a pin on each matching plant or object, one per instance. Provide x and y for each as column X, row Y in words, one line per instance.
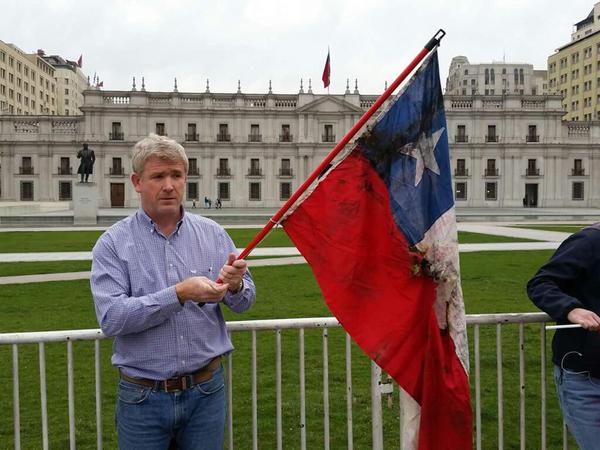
column 378, row 388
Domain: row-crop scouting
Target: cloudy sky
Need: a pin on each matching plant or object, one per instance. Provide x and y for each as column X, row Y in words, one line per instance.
column 260, row 40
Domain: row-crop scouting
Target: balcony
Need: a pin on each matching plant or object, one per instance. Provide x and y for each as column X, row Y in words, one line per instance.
column 116, row 172
column 461, row 172
column 286, row 137
column 328, row 138
column 116, row 136
column 26, row 170
column 223, row 137
column 532, row 172
column 65, row 171
column 254, row 172
column 532, row 138
column 492, row 138
column 255, row 138
column 191, row 137
column 223, row 172
column 286, row 172
column 490, row 173
column 194, row 172
column 578, row 172
column 461, row 138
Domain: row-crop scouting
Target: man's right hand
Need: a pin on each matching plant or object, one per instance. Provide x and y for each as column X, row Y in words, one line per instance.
column 586, row 318
column 200, row 289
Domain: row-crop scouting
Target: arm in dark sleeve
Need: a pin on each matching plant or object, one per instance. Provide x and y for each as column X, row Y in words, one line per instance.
column 570, row 263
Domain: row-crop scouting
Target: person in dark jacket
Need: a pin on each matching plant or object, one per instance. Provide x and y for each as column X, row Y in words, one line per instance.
column 567, row 288
column 86, row 167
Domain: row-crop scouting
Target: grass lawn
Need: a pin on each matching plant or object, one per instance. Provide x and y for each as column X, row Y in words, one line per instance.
column 81, row 241
column 48, row 241
column 35, row 268
column 492, row 282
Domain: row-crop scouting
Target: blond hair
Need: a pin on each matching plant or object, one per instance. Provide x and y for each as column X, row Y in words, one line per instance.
column 155, row 146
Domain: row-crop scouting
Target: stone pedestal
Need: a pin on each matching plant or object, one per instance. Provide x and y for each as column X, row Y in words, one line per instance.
column 85, row 204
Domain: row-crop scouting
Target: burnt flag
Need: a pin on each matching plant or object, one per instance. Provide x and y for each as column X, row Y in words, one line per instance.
column 379, row 232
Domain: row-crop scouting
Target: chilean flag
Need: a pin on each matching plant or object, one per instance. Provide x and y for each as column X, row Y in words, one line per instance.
column 379, row 232
column 326, row 71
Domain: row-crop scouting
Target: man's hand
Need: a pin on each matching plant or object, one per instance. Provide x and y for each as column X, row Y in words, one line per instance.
column 586, row 318
column 233, row 272
column 200, row 289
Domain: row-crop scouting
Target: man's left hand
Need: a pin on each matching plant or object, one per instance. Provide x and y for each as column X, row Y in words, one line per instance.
column 233, row 272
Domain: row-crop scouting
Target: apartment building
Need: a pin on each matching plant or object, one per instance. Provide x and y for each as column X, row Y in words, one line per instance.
column 574, row 70
column 496, row 78
column 36, row 84
column 27, row 84
column 70, row 84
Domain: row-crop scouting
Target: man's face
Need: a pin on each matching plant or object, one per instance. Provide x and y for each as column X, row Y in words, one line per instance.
column 161, row 186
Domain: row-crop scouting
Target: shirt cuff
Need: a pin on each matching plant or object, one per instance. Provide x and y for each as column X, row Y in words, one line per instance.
column 168, row 300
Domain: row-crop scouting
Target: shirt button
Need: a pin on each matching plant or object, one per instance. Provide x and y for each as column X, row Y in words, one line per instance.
column 183, row 362
column 181, row 337
column 170, row 265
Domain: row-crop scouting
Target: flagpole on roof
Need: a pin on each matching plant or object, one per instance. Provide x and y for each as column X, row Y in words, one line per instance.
column 432, row 44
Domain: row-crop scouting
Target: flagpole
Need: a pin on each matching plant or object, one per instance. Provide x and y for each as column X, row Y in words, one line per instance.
column 433, row 43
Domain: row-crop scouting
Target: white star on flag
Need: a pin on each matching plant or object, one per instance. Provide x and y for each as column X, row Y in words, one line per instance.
column 423, row 151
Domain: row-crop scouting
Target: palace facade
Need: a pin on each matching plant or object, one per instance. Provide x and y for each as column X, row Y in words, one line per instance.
column 253, row 150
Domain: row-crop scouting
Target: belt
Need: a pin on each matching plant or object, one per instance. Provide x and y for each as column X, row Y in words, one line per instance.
column 178, row 383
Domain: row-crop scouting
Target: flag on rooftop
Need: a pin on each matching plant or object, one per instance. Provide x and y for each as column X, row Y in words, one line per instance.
column 379, row 231
column 326, row 71
column 80, row 61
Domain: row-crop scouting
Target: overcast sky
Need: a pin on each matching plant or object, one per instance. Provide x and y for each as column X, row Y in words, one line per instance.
column 260, row 40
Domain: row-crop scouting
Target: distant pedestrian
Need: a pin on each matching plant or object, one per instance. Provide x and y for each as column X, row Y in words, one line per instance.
column 194, row 203
column 209, row 203
column 524, row 202
column 205, row 201
column 218, row 203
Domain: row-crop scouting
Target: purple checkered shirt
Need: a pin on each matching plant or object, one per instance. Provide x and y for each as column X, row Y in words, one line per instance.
column 134, row 272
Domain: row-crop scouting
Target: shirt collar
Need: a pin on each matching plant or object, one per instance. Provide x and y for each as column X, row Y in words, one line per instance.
column 147, row 222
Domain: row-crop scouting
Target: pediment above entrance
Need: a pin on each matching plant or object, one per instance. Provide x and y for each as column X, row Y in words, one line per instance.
column 330, row 104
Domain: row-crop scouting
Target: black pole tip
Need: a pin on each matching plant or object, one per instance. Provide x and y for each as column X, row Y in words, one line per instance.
column 435, row 40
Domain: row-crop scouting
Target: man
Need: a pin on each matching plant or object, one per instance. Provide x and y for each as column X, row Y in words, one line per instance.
column 568, row 288
column 86, row 167
column 154, row 283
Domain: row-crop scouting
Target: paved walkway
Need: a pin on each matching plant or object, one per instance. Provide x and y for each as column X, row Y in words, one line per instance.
column 549, row 240
column 503, row 230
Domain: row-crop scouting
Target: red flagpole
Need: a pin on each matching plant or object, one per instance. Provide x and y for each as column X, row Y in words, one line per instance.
column 433, row 42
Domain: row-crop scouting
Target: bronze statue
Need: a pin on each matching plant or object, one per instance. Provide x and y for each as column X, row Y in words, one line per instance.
column 86, row 167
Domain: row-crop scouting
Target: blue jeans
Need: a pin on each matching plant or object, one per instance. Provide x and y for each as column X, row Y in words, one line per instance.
column 579, row 396
column 148, row 419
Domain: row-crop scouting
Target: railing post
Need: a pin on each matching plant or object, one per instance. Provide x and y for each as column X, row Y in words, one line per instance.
column 16, row 406
column 376, row 415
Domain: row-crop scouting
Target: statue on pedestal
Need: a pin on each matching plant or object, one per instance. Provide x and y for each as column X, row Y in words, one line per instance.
column 86, row 166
